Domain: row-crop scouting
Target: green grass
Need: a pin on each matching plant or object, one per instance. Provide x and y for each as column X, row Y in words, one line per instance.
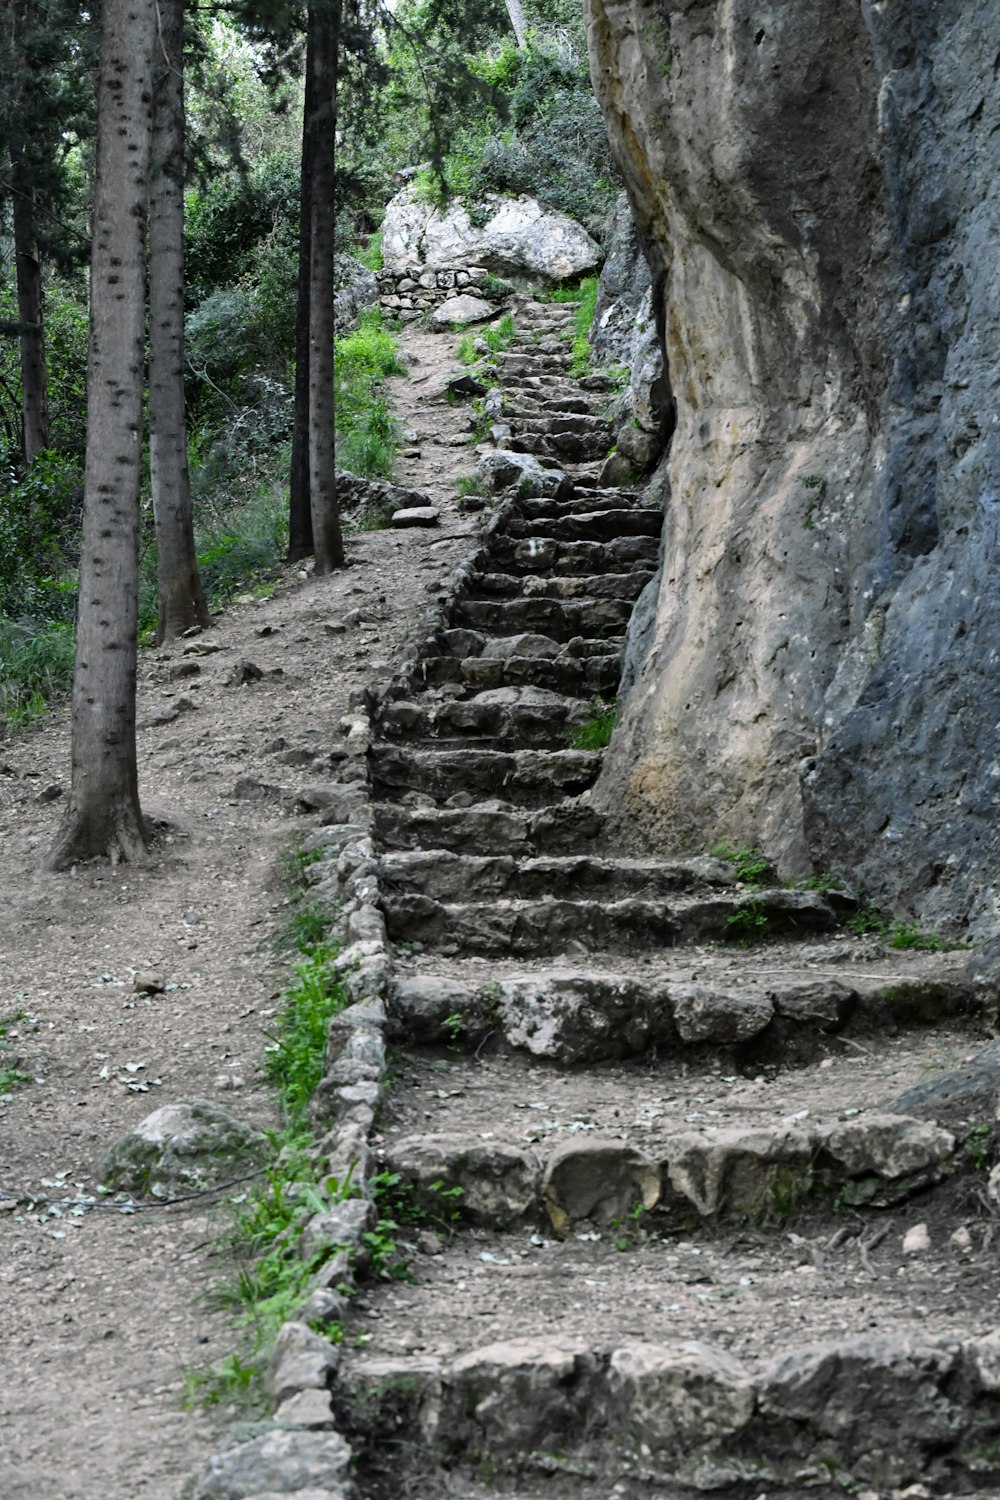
column 364, row 428
column 36, row 665
column 582, row 319
column 498, row 337
column 596, row 733
column 749, row 864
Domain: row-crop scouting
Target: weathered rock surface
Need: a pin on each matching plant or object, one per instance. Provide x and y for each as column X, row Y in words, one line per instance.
column 279, row 1463
column 354, row 288
column 520, row 239
column 812, row 186
column 192, row 1144
column 458, row 311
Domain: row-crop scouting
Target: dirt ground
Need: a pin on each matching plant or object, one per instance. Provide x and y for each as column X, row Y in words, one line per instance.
column 102, row 1312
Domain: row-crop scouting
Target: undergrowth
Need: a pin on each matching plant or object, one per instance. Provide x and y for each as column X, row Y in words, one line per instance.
column 497, row 337
column 364, row 430
column 272, row 1278
column 582, row 319
column 596, row 733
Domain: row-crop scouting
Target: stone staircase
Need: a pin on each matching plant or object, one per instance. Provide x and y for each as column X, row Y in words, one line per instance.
column 680, row 1215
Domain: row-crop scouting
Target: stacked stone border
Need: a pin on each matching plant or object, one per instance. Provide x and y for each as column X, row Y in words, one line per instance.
column 414, row 291
column 300, row 1450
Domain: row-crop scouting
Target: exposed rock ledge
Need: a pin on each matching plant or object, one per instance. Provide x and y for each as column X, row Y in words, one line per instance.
column 818, row 184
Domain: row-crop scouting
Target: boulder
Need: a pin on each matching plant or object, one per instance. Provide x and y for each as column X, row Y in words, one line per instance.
column 457, row 311
column 502, row 469
column 282, row 1463
column 519, row 239
column 676, row 1399
column 191, row 1144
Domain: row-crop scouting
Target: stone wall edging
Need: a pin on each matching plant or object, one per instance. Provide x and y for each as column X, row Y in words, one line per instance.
column 344, row 879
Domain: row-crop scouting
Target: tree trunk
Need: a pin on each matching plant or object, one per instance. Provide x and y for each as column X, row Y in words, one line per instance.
column 180, row 595
column 300, row 532
column 103, row 817
column 516, row 13
column 328, row 543
column 34, row 392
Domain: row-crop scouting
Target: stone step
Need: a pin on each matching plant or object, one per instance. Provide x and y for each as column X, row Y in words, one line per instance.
column 538, row 554
column 509, row 717
column 534, row 507
column 566, row 447
column 544, row 927
column 531, row 778
column 562, row 619
column 489, row 828
column 460, row 642
column 590, row 526
column 581, row 677
column 578, row 424
column 686, row 1173
column 458, row 877
column 576, row 586
column 523, row 364
column 529, row 406
column 654, row 1404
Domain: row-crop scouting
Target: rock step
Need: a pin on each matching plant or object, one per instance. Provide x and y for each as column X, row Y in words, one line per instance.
column 537, row 554
column 489, row 828
column 528, row 406
column 457, row 877
column 583, row 677
column 686, row 1174
column 510, row 717
column 543, row 927
column 460, row 642
column 561, row 619
column 532, row 778
column 731, row 1006
column 649, row 1411
column 567, row 447
column 578, row 424
column 521, row 364
column 576, row 586
column 590, row 526
column 535, row 507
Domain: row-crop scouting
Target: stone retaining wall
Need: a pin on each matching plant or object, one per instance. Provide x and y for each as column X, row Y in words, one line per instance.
column 409, row 293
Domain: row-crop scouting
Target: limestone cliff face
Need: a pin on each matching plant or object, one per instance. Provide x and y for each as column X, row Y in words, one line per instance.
column 819, row 183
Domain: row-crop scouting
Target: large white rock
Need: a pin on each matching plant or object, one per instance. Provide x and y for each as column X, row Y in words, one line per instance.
column 461, row 310
column 520, row 239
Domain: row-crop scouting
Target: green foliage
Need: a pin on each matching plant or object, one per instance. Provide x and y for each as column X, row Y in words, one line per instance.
column 979, row 1146
column 748, row 924
column 910, row 935
column 749, row 864
column 294, row 1061
column 365, row 433
column 230, row 1382
column 39, row 516
column 36, row 665
column 867, row 919
column 596, row 733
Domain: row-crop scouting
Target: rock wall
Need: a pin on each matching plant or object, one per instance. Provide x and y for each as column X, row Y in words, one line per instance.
column 818, row 186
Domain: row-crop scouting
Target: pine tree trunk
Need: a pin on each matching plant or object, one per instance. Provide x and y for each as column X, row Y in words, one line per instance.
column 30, row 314
column 516, row 13
column 181, row 600
column 328, row 542
column 103, row 817
column 300, row 532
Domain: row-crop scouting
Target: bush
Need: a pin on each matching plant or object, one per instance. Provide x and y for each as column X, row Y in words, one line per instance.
column 39, row 522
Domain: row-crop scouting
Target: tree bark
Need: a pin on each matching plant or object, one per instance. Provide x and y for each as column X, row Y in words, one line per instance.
column 328, row 542
column 516, row 13
column 103, row 817
column 30, row 315
column 300, row 532
column 180, row 596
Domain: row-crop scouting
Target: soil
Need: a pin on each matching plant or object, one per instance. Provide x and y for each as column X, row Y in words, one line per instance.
column 102, row 1312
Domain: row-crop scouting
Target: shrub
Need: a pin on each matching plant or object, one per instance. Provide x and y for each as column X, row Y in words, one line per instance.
column 364, row 429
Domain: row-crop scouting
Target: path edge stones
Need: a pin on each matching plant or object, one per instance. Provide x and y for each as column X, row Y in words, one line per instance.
column 344, row 881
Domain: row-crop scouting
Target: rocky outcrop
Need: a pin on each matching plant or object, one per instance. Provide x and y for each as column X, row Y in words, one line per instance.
column 816, row 187
column 355, row 288
column 516, row 238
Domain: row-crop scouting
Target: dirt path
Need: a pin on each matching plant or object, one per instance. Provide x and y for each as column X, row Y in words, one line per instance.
column 101, row 1314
